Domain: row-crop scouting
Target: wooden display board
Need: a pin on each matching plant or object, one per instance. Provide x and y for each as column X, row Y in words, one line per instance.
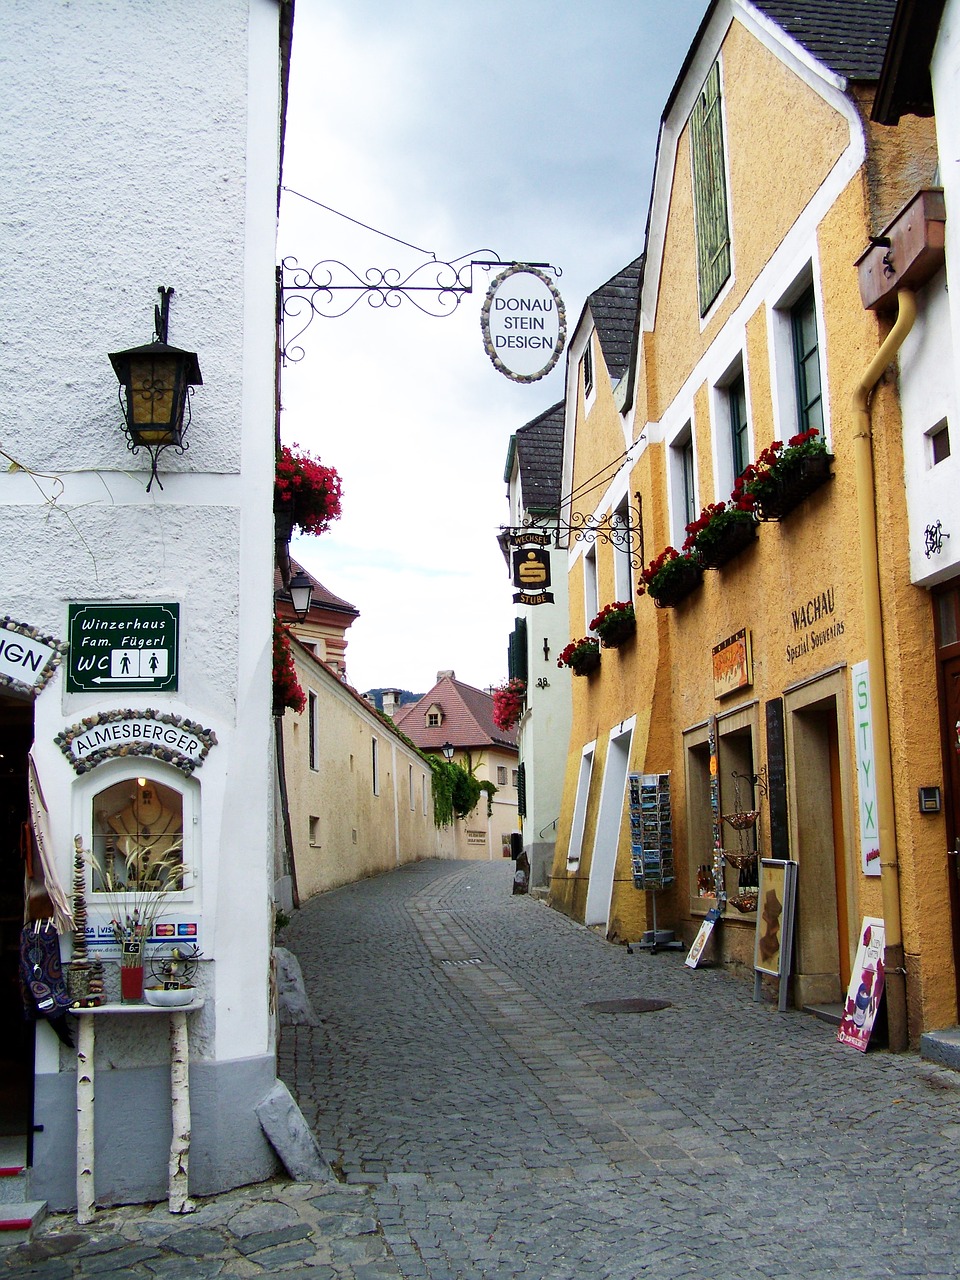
column 773, row 943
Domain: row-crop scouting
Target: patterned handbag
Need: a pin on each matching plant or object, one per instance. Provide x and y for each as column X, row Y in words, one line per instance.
column 41, row 973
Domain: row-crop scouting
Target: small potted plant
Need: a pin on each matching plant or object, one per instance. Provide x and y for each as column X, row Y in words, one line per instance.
column 508, row 703
column 615, row 623
column 581, row 656
column 784, row 475
column 722, row 530
column 306, row 494
column 671, row 577
column 286, row 686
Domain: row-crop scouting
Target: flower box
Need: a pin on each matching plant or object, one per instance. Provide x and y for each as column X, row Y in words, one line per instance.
column 722, row 530
column 792, row 485
column 615, row 624
column 671, row 577
column 586, row 663
column 305, row 493
column 581, row 656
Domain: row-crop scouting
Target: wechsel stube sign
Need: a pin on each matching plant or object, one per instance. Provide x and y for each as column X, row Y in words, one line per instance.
column 123, row 646
column 524, row 323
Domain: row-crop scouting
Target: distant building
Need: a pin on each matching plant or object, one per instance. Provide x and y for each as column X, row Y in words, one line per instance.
column 457, row 713
column 324, row 630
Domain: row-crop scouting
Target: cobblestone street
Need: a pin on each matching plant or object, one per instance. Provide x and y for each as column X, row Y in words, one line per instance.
column 485, row 1122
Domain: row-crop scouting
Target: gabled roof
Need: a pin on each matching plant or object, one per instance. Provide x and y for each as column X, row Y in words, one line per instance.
column 467, row 719
column 849, row 36
column 614, row 310
column 540, row 460
column 323, row 598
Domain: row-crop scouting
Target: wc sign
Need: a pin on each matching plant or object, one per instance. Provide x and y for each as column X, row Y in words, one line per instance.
column 524, row 324
column 123, row 646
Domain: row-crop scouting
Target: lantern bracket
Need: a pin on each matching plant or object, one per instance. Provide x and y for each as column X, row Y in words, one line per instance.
column 621, row 529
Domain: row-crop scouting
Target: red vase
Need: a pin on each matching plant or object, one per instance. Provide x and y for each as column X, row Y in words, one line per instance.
column 131, row 983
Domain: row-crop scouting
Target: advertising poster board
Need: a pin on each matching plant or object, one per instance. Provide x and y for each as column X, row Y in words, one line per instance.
column 695, row 953
column 866, row 986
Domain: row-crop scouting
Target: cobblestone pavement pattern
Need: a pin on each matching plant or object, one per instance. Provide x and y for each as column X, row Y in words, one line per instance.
column 486, row 1123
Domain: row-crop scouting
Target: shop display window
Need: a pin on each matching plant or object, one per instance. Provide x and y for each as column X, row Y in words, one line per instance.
column 138, row 838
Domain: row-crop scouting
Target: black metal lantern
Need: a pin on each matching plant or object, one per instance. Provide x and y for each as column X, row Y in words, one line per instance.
column 448, row 749
column 155, row 382
column 301, row 593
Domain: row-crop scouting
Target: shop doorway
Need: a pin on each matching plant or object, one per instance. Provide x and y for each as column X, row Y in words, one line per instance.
column 820, row 843
column 947, row 618
column 603, row 864
column 17, row 1037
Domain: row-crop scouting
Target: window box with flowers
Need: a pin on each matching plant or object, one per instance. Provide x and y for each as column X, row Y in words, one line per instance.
column 721, row 531
column 783, row 476
column 286, row 686
column 508, row 703
column 670, row 578
column 581, row 656
column 306, row 494
column 615, row 624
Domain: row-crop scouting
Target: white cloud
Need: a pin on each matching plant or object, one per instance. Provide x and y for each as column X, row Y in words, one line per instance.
column 525, row 126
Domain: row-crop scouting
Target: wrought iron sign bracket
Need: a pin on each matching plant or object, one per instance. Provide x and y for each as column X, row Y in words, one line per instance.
column 330, row 289
column 626, row 535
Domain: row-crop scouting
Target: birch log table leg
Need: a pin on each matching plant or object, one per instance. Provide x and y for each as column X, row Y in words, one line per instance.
column 85, row 1137
column 179, row 1169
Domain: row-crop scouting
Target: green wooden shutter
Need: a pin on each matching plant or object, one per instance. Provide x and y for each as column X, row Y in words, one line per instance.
column 522, row 790
column 709, row 191
column 517, row 652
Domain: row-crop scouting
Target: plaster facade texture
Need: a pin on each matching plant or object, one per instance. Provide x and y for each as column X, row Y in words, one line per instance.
column 143, row 150
column 799, row 206
column 344, row 828
column 481, row 836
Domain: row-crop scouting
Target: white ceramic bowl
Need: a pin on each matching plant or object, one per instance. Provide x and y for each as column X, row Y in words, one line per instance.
column 169, row 999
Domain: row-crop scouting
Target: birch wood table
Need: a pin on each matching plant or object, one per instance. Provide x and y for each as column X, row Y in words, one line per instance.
column 179, row 1166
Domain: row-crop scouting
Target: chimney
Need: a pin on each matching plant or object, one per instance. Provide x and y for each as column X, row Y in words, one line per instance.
column 391, row 702
column 452, row 675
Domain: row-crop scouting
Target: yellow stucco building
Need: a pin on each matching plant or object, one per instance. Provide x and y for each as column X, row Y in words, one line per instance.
column 760, row 692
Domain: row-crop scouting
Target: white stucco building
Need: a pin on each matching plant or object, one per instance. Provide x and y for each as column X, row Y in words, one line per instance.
column 141, row 149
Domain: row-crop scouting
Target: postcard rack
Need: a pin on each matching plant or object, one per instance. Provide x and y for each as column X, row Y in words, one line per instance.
column 651, row 847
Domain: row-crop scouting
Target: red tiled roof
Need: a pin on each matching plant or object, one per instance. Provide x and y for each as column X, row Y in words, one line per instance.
column 467, row 720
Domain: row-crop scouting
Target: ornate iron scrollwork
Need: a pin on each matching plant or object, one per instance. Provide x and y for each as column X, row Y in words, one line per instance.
column 330, row 289
column 933, row 537
column 626, row 534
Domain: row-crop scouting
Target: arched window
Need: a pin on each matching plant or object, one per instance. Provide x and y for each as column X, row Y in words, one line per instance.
column 138, row 834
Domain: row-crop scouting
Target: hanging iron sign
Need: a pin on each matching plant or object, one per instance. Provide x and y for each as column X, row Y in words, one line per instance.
column 524, row 323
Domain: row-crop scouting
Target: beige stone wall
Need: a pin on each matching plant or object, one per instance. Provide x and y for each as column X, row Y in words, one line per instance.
column 480, row 836
column 355, row 832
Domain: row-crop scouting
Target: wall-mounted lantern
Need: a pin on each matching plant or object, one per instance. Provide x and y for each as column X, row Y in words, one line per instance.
column 301, row 594
column 155, row 390
column 448, row 749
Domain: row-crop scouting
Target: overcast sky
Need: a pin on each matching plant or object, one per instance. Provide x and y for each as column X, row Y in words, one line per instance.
column 526, row 127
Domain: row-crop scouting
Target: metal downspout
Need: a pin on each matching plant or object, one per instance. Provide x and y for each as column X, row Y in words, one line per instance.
column 895, row 978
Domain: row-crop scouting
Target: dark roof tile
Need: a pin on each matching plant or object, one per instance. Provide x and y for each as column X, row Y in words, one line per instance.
column 850, row 36
column 540, row 460
column 614, row 310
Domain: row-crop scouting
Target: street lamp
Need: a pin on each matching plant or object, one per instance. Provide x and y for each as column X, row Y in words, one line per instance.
column 448, row 749
column 155, row 382
column 301, row 594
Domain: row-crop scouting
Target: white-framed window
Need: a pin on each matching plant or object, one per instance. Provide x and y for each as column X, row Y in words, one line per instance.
column 683, row 482
column 313, row 737
column 622, row 575
column 424, row 793
column 731, row 426
column 314, row 830
column 413, row 794
column 799, row 373
column 575, row 847
column 939, row 443
column 586, row 372
column 515, row 775
column 591, row 590
column 140, row 823
column 375, row 765
column 501, row 775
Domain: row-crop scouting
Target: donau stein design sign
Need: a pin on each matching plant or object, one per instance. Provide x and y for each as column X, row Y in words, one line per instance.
column 524, row 323
column 123, row 646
